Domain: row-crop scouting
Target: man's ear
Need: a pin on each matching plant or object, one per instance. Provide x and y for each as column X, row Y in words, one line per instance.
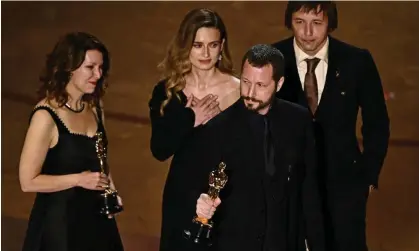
column 279, row 85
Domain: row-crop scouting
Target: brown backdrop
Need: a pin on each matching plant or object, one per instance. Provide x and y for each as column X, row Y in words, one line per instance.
column 136, row 34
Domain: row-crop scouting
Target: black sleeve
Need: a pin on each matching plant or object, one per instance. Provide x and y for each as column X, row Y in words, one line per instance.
column 170, row 130
column 375, row 120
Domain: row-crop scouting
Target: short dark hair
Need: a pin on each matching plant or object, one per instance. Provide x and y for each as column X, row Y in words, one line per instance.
column 328, row 7
column 261, row 55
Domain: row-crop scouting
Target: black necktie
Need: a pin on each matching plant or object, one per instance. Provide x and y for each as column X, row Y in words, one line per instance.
column 268, row 149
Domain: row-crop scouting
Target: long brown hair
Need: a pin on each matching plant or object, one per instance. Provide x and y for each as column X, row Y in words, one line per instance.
column 176, row 64
column 68, row 55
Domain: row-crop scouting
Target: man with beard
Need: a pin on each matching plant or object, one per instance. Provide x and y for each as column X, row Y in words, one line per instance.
column 271, row 200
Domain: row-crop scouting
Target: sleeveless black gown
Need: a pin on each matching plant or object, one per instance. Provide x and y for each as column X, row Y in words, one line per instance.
column 68, row 220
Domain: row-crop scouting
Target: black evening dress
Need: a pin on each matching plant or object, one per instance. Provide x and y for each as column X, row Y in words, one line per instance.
column 69, row 220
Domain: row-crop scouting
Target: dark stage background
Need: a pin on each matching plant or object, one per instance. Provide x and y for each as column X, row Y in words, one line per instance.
column 137, row 33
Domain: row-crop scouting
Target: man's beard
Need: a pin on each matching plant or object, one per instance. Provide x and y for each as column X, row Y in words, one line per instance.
column 259, row 104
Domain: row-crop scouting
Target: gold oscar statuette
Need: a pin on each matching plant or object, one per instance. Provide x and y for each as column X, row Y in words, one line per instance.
column 200, row 232
column 109, row 204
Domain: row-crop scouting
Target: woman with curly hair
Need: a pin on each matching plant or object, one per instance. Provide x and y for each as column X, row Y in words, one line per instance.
column 198, row 83
column 59, row 161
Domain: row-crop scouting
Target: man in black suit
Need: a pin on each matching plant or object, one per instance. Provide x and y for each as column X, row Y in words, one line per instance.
column 271, row 200
column 333, row 80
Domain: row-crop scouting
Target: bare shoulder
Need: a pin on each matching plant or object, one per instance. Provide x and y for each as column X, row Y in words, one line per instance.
column 231, row 83
column 48, row 103
column 42, row 118
column 42, row 121
column 230, row 92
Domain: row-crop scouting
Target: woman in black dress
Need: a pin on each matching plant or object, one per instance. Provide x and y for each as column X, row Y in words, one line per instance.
column 59, row 160
column 198, row 83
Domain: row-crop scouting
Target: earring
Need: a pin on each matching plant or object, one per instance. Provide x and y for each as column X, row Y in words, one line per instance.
column 220, row 57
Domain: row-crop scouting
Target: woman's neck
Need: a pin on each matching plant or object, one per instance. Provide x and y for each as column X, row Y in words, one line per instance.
column 202, row 80
column 74, row 98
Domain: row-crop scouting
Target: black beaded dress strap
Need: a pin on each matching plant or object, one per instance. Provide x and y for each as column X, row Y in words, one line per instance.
column 60, row 124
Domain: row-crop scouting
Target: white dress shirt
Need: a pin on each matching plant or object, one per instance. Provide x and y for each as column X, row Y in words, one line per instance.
column 321, row 69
